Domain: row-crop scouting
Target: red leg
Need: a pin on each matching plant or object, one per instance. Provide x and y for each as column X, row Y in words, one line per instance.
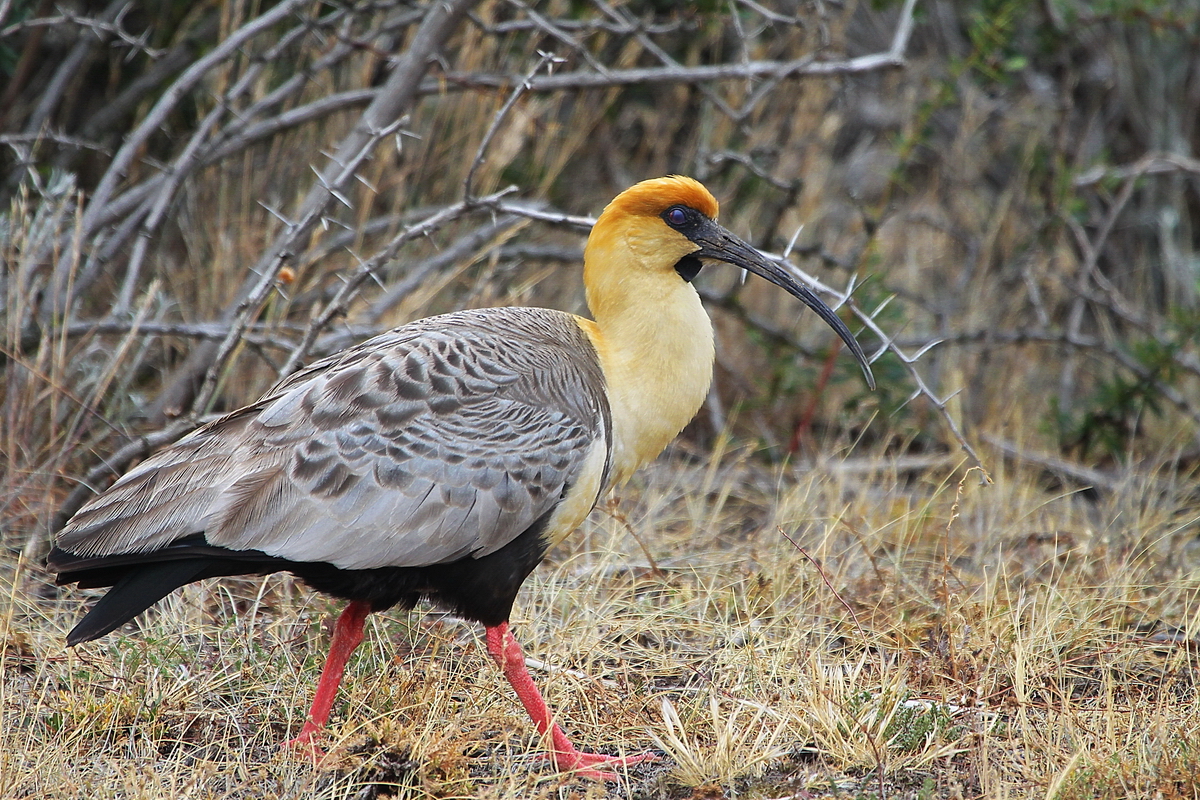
column 347, row 636
column 506, row 652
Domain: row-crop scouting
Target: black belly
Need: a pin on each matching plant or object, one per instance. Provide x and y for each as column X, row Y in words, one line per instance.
column 481, row 589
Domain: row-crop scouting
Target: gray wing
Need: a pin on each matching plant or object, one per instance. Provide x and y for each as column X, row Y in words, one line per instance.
column 441, row 439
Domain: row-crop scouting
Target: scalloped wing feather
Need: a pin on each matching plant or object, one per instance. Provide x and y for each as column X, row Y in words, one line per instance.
column 444, row 438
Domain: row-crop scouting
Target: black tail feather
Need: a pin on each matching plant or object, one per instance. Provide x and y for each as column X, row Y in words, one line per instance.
column 139, row 589
column 140, row 580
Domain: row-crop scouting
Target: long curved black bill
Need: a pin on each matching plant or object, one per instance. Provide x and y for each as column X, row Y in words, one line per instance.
column 718, row 244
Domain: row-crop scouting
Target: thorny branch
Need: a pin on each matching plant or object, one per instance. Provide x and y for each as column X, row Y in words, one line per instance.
column 888, row 345
column 186, row 162
column 251, row 305
column 498, row 119
column 580, row 79
column 154, row 120
column 101, row 27
column 395, row 96
column 370, row 267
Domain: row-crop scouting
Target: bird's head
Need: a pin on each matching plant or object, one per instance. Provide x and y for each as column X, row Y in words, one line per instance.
column 655, row 237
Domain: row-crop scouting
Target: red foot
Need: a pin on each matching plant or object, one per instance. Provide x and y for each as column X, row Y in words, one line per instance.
column 580, row 763
column 306, row 741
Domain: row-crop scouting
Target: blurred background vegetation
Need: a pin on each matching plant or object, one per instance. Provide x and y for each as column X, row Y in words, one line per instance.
column 1018, row 187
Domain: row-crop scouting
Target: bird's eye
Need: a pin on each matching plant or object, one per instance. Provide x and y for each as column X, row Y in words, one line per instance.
column 676, row 215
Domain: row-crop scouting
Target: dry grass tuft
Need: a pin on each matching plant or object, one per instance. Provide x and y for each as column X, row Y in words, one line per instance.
column 728, row 744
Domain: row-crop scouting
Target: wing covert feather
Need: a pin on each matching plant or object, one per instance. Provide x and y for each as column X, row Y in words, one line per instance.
column 441, row 439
